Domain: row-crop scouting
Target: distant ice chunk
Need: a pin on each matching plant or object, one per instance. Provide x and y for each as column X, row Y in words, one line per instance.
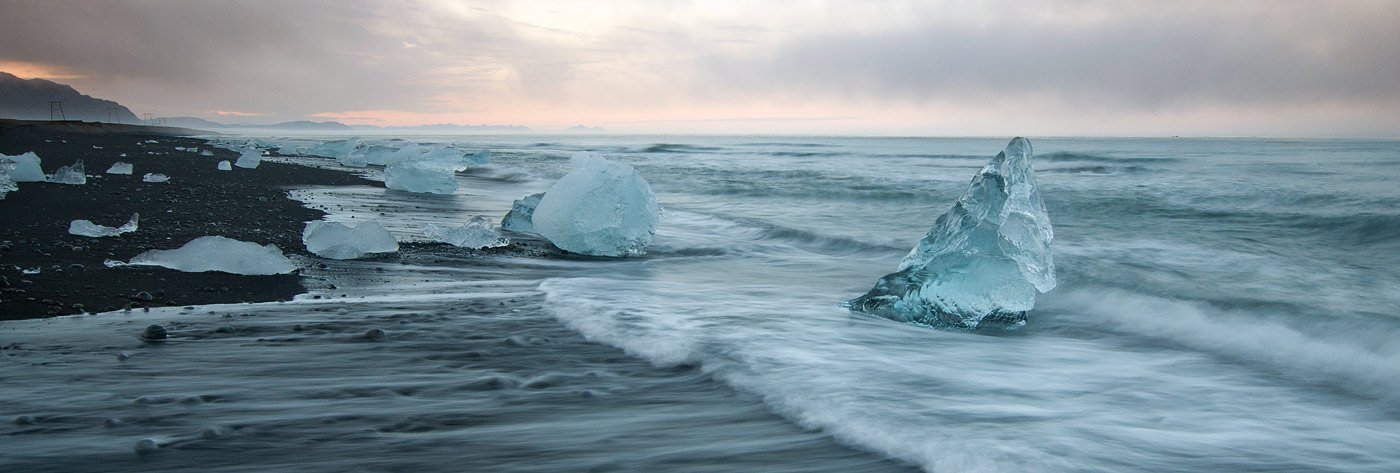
column 217, row 253
column 154, row 177
column 376, row 154
column 339, row 241
column 334, row 149
column 72, row 174
column 354, row 160
column 88, row 229
column 521, row 214
column 599, row 208
column 250, row 159
column 205, row 152
column 477, row 233
column 225, row 165
column 982, row 262
column 7, row 185
column 120, row 168
column 23, row 167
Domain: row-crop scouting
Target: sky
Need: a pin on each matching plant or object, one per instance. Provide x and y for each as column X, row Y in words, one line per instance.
column 1281, row 68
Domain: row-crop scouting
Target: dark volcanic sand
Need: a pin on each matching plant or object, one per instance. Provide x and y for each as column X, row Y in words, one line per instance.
column 244, row 204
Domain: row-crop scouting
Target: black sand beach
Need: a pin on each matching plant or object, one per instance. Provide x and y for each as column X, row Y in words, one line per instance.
column 198, row 200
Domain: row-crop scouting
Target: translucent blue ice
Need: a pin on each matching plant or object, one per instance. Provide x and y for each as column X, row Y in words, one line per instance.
column 522, row 213
column 982, row 262
column 339, row 241
column 71, row 174
column 217, row 253
column 599, row 208
column 22, row 167
column 250, row 159
column 476, row 233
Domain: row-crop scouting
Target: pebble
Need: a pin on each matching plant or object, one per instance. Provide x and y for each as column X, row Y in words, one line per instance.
column 154, row 333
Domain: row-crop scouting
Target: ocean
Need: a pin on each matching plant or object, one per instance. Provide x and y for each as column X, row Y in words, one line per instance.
column 1223, row 305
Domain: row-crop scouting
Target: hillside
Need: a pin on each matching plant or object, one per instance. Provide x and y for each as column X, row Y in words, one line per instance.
column 28, row 99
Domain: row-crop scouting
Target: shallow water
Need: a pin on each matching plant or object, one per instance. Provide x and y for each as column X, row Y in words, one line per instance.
column 1224, row 305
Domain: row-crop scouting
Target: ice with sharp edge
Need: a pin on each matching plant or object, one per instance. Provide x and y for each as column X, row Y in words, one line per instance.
column 88, row 229
column 23, row 167
column 599, row 208
column 476, row 233
column 120, row 168
column 225, row 165
column 983, row 261
column 339, row 241
column 521, row 214
column 217, row 253
column 71, row 174
column 250, row 159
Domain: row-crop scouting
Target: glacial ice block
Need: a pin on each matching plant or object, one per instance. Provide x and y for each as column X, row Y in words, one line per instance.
column 599, row 208
column 154, row 177
column 519, row 219
column 7, row 185
column 88, row 229
column 217, row 253
column 477, row 233
column 71, row 174
column 120, row 168
column 334, row 149
column 250, row 159
column 22, row 167
column 417, row 175
column 225, row 165
column 339, row 241
column 982, row 262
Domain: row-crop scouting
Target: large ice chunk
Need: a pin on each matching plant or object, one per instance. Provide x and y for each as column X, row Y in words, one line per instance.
column 599, row 208
column 72, row 174
column 22, row 167
column 521, row 212
column 982, row 262
column 334, row 149
column 120, row 168
column 216, row 253
column 250, row 159
column 6, row 185
column 88, row 229
column 339, row 241
column 418, row 175
column 477, row 233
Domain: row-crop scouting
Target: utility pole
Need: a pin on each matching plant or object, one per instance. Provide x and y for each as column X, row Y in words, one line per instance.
column 55, row 105
column 113, row 116
column 150, row 120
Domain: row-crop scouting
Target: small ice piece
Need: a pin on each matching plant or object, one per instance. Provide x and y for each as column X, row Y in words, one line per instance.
column 72, row 174
column 250, row 159
column 206, row 152
column 416, row 175
column 192, row 150
column 22, row 167
column 222, row 254
column 477, row 233
column 179, row 148
column 7, row 185
column 599, row 208
column 34, row 270
column 88, row 229
column 120, row 168
column 152, row 141
column 154, row 177
column 521, row 213
column 339, row 241
column 225, row 165
column 982, row 262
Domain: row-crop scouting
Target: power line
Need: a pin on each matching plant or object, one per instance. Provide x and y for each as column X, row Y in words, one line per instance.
column 58, row 106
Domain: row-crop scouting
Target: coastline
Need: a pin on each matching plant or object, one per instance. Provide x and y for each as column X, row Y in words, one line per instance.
column 244, row 204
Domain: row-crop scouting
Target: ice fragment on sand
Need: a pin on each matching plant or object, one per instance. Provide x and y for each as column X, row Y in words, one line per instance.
column 154, row 177
column 599, row 208
column 250, row 158
column 120, row 168
column 206, row 153
column 521, row 213
column 22, row 167
column 216, row 253
column 338, row 241
column 477, row 233
column 982, row 262
column 88, row 229
column 6, row 185
column 72, row 174
column 225, row 165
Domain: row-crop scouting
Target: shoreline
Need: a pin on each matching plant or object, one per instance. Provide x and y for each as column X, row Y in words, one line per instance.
column 244, row 204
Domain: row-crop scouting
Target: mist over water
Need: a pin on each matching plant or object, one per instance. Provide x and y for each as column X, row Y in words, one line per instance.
column 1224, row 305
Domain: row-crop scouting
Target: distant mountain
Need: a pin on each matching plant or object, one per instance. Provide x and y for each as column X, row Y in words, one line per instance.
column 196, row 122
column 28, row 99
column 192, row 122
column 449, row 128
column 583, row 129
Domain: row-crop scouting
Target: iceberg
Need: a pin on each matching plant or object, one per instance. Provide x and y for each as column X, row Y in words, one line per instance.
column 377, row 154
column 22, row 167
column 225, row 165
column 982, row 262
column 120, row 168
column 250, row 159
column 521, row 213
column 417, row 175
column 477, row 233
column 339, row 241
column 154, row 177
column 599, row 208
column 217, row 253
column 88, row 229
column 72, row 174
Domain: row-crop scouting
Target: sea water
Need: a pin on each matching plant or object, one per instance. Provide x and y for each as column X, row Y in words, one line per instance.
column 1224, row 305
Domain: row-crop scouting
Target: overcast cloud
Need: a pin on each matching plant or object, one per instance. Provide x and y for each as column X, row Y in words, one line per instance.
column 1148, row 68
